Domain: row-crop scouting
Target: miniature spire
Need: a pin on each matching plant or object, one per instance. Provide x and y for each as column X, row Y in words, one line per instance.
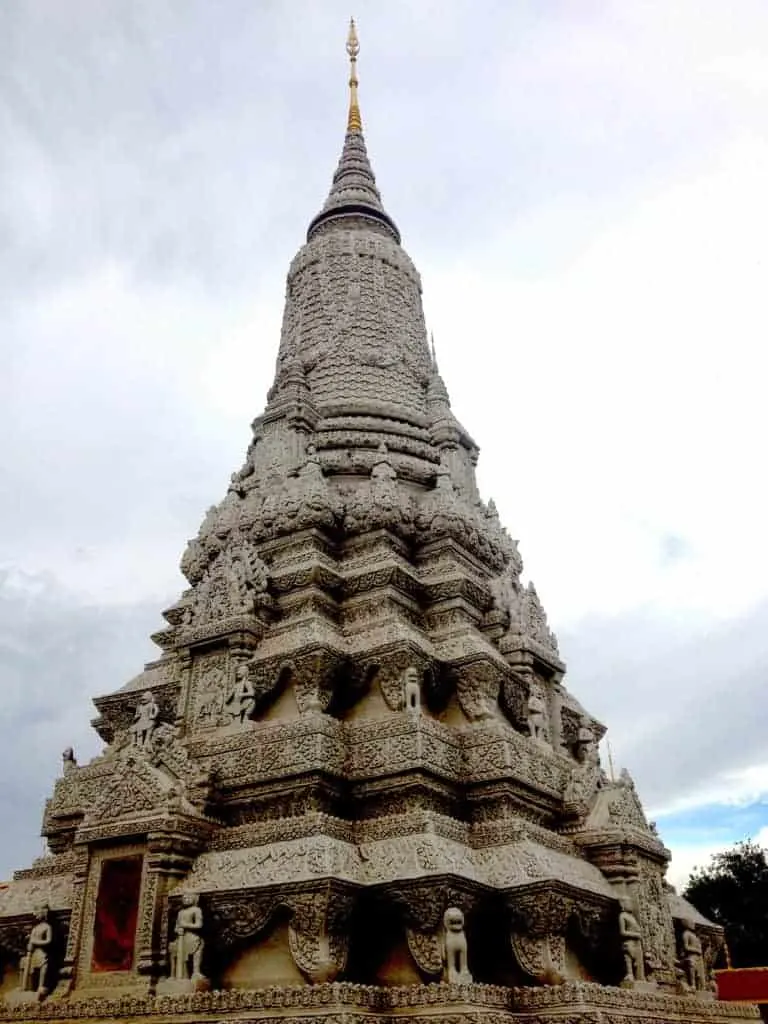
column 354, row 121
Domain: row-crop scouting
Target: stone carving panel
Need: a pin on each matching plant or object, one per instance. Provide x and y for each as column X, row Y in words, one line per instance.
column 380, row 503
column 318, row 933
column 396, row 673
column 542, row 957
column 655, row 921
column 426, row 950
column 477, row 688
column 211, row 686
column 240, row 917
column 235, row 583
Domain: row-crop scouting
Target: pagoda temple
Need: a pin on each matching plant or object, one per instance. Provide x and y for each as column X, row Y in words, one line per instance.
column 353, row 787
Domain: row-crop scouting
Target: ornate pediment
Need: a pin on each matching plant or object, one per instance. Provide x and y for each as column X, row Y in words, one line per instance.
column 136, row 790
column 617, row 805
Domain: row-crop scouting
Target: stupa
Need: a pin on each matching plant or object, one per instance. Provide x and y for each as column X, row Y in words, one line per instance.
column 353, row 786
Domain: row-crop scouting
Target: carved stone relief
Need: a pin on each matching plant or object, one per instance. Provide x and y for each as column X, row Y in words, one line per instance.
column 426, row 950
column 541, row 956
column 210, row 689
column 477, row 689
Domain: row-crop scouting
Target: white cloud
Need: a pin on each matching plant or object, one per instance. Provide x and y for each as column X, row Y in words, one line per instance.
column 686, row 858
column 732, row 788
column 627, row 388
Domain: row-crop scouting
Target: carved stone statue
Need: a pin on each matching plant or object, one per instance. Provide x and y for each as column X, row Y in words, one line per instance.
column 693, row 958
column 237, row 581
column 454, row 948
column 68, row 760
column 537, row 717
column 187, row 950
column 412, row 689
column 145, row 721
column 586, row 747
column 35, row 963
column 242, row 699
column 631, row 944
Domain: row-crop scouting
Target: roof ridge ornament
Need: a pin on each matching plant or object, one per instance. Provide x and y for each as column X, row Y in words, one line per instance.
column 354, row 121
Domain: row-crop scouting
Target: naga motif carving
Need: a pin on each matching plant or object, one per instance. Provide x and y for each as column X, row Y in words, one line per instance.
column 426, row 950
column 477, row 689
column 541, row 956
column 318, row 933
column 234, row 583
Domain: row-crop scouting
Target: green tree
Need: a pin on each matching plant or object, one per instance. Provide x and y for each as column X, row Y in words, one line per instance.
column 733, row 891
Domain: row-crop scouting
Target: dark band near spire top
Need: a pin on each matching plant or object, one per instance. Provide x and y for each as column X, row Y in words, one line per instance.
column 353, row 190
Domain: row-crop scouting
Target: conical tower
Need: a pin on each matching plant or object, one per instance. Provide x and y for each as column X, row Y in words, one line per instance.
column 354, row 781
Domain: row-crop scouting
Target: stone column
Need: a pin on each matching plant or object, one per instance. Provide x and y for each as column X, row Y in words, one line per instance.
column 169, row 858
column 556, row 714
column 68, row 971
column 185, row 676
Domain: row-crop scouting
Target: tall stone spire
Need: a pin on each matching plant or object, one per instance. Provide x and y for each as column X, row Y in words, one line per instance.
column 356, row 738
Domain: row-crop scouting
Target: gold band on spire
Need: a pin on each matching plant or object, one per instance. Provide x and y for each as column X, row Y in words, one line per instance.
column 354, row 121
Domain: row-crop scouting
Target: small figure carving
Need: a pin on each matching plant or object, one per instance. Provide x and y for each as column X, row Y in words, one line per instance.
column 243, row 697
column 174, row 799
column 35, row 962
column 537, row 717
column 69, row 761
column 237, row 582
column 631, row 945
column 201, row 786
column 187, row 614
column 454, row 948
column 412, row 689
column 187, row 950
column 586, row 748
column 382, row 473
column 145, row 721
column 693, row 958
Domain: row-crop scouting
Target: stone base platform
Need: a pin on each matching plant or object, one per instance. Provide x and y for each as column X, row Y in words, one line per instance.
column 572, row 1003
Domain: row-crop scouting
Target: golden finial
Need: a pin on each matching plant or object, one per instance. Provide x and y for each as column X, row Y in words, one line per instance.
column 354, row 121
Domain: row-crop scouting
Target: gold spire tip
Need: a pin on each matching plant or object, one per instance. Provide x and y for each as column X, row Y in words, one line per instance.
column 354, row 121
column 353, row 43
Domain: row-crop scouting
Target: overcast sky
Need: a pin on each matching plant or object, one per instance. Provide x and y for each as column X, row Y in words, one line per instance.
column 583, row 188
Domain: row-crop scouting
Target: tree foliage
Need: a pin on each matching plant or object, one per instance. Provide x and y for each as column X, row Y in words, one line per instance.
column 733, row 892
